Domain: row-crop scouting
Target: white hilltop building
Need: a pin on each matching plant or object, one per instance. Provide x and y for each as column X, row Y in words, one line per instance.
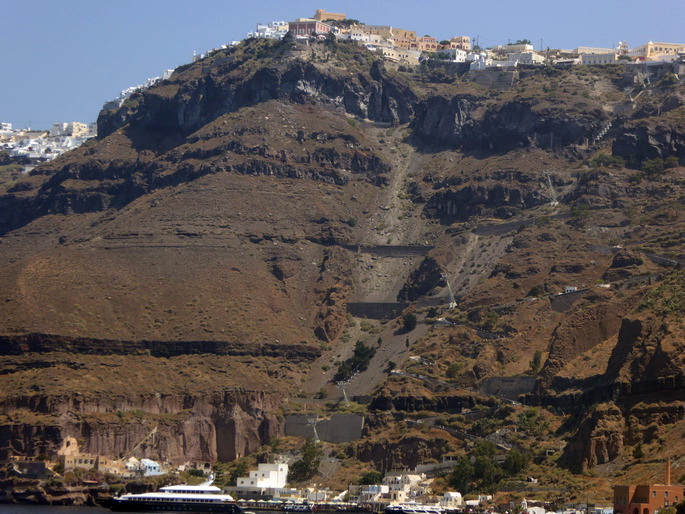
column 273, row 30
column 479, row 61
column 125, row 93
column 73, row 129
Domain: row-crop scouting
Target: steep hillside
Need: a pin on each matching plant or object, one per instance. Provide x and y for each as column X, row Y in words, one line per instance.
column 195, row 264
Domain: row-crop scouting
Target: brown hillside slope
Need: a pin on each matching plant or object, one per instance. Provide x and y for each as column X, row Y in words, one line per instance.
column 237, row 203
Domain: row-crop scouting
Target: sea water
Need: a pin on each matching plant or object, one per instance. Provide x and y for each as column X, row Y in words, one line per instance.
column 9, row 508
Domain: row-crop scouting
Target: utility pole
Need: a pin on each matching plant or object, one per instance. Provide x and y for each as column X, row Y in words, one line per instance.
column 553, row 194
column 342, row 384
column 453, row 301
column 312, row 423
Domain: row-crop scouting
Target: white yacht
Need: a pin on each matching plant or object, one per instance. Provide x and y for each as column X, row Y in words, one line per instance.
column 204, row 497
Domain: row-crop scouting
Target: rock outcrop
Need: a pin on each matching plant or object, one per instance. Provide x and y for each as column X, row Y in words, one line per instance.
column 598, row 440
column 641, row 141
column 208, row 427
column 463, row 121
column 404, row 454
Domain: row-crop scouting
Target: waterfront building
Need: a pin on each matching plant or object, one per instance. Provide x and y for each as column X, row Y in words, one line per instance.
column 268, row 479
column 404, row 487
column 70, row 457
column 452, row 501
column 647, row 499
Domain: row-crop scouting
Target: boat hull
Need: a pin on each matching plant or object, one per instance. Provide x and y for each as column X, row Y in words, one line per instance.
column 117, row 505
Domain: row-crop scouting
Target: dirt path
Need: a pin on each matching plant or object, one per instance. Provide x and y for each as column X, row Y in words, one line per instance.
column 396, row 221
column 393, row 349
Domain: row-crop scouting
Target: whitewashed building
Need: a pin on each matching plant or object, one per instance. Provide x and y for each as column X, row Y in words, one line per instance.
column 150, row 467
column 454, row 54
column 479, row 61
column 373, row 493
column 598, row 59
column 404, row 487
column 526, row 57
column 273, row 30
column 267, row 479
column 451, row 500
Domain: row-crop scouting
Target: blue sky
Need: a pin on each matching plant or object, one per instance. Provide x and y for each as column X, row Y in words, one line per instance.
column 63, row 59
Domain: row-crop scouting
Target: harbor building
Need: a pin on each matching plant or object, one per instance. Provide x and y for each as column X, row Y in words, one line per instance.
column 647, row 499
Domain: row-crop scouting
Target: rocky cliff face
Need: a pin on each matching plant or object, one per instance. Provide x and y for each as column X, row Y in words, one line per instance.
column 467, row 122
column 178, row 428
column 640, row 141
column 183, row 105
column 598, row 440
column 404, row 454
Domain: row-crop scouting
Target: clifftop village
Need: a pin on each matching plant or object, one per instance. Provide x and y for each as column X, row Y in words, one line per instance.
column 402, row 46
column 405, row 47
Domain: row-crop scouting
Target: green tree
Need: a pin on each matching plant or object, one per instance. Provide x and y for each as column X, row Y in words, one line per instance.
column 409, row 321
column 308, row 464
column 536, row 362
column 370, row 478
column 331, row 40
column 638, row 452
column 516, row 462
column 358, row 362
column 537, row 290
column 532, row 421
column 453, row 370
column 491, row 321
column 580, row 212
column 239, row 468
column 484, row 448
column 488, row 473
column 462, row 475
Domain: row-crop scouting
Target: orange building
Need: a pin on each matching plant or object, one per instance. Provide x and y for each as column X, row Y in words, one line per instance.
column 647, row 499
column 462, row 43
column 426, row 44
